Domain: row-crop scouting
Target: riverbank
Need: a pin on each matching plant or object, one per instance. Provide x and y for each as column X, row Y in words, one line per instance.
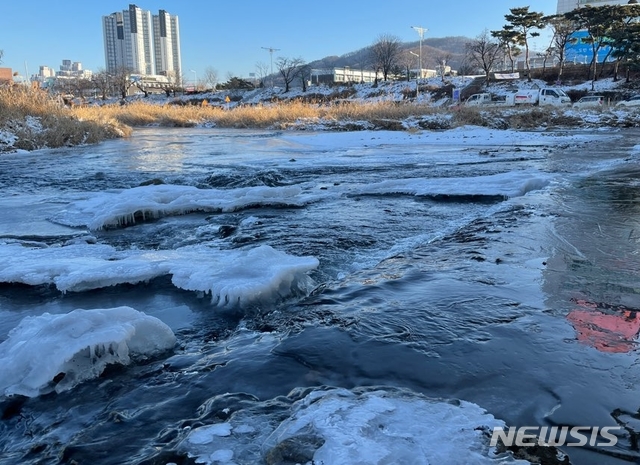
column 34, row 120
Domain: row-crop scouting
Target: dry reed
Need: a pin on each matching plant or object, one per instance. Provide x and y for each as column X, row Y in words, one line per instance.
column 39, row 120
column 251, row 116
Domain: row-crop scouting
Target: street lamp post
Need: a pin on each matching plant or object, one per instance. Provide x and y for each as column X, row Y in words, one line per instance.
column 420, row 31
column 417, row 85
column 195, row 79
column 271, row 50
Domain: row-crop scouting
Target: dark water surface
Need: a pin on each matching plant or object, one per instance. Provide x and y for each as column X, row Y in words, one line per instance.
column 525, row 306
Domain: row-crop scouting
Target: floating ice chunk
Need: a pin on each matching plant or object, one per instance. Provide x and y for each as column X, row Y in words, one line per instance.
column 239, row 277
column 110, row 209
column 495, row 186
column 205, row 434
column 244, row 429
column 222, row 456
column 57, row 352
column 232, row 277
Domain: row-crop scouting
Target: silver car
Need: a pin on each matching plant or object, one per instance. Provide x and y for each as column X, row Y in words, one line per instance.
column 590, row 101
column 631, row 102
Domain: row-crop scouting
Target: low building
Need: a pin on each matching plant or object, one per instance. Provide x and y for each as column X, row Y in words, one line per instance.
column 6, row 76
column 343, row 76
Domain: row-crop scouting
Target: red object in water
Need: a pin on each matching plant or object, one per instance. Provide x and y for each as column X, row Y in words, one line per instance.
column 615, row 332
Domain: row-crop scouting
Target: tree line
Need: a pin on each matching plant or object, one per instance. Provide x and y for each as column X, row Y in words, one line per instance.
column 614, row 28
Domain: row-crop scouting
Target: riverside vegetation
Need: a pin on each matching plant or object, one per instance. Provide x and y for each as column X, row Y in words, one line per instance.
column 31, row 119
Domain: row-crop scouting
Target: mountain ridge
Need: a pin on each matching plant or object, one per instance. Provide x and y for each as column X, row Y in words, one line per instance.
column 434, row 50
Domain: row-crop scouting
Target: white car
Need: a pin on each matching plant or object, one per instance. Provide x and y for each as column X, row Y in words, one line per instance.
column 630, row 102
column 590, row 101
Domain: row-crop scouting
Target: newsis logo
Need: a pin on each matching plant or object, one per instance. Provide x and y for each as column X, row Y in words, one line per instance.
column 575, row 436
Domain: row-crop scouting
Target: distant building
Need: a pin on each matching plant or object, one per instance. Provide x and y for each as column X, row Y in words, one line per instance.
column 142, row 43
column 6, row 76
column 565, row 6
column 343, row 75
column 46, row 72
column 69, row 69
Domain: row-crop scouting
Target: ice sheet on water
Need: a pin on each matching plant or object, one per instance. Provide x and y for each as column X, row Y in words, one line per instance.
column 465, row 135
column 502, row 185
column 232, row 277
column 56, row 352
column 341, row 427
column 113, row 209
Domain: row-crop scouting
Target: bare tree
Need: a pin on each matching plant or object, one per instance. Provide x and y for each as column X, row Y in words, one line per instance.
column 81, row 87
column 210, row 77
column 303, row 72
column 172, row 84
column 139, row 83
column 385, row 54
column 483, row 52
column 102, row 82
column 122, row 80
column 62, row 85
column 289, row 69
column 262, row 71
column 1, row 55
column 442, row 59
column 405, row 60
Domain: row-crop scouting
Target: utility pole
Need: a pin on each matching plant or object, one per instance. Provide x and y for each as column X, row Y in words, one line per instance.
column 420, row 31
column 271, row 50
column 417, row 85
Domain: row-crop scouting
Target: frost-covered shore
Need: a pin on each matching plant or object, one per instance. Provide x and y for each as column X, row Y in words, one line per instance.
column 387, row 106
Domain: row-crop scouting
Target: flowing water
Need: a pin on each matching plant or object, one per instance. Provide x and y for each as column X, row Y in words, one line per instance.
column 522, row 304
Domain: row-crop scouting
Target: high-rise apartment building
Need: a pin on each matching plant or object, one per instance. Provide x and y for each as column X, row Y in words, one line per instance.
column 166, row 35
column 569, row 5
column 143, row 43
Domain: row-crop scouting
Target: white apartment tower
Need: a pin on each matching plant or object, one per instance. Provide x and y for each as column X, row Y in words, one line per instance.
column 141, row 42
column 568, row 5
column 166, row 35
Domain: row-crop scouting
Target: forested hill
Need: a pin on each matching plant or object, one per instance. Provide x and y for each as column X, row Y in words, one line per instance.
column 434, row 50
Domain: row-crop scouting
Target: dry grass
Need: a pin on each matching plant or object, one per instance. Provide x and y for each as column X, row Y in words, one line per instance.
column 39, row 120
column 463, row 116
column 281, row 114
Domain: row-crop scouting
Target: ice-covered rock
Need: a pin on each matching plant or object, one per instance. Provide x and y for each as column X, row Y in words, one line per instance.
column 372, row 426
column 56, row 352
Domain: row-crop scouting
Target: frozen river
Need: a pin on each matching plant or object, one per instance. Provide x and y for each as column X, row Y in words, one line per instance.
column 241, row 297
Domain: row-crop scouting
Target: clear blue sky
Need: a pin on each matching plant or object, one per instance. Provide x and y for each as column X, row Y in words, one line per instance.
column 229, row 35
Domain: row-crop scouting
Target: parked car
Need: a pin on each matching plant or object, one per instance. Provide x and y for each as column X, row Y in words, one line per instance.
column 590, row 101
column 631, row 102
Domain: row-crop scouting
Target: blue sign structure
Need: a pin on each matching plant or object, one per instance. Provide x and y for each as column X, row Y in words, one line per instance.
column 580, row 50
